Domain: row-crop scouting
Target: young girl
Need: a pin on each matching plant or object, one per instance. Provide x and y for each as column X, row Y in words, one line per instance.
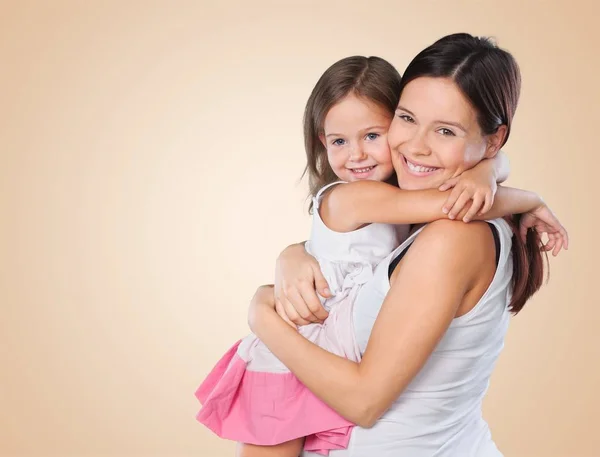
column 250, row 396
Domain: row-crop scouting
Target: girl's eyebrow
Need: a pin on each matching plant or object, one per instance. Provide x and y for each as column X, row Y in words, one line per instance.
column 374, row 127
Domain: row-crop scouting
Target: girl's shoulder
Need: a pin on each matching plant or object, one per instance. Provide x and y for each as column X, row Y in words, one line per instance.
column 322, row 192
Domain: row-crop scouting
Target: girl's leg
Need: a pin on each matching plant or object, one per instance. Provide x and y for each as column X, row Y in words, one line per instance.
column 287, row 449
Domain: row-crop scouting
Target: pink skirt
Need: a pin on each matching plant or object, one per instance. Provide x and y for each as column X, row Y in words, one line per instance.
column 251, row 397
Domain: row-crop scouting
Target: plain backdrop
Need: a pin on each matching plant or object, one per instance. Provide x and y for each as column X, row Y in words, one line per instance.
column 150, row 162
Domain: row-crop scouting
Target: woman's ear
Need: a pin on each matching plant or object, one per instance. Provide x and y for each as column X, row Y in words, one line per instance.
column 495, row 142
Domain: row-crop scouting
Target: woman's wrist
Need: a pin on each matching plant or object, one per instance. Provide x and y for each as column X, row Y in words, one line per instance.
column 254, row 318
column 261, row 310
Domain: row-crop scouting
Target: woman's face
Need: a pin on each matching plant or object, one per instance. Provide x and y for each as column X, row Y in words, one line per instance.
column 435, row 135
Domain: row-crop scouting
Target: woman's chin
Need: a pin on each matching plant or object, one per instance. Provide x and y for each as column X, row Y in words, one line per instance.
column 410, row 184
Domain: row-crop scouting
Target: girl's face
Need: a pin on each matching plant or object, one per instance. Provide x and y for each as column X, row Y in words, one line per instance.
column 355, row 136
column 435, row 135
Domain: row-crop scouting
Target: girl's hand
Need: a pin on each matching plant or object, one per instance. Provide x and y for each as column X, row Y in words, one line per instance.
column 543, row 220
column 297, row 275
column 477, row 184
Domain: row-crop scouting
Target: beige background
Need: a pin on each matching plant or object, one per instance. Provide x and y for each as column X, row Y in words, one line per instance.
column 149, row 162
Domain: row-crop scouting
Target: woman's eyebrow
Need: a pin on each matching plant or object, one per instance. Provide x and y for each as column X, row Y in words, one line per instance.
column 404, row 109
column 454, row 124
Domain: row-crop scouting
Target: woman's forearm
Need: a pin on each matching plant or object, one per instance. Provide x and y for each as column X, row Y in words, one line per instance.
column 337, row 380
column 404, row 335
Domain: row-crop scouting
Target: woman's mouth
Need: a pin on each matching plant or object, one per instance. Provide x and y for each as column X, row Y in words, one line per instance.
column 363, row 172
column 418, row 170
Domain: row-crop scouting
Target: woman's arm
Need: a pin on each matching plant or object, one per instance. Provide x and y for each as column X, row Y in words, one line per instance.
column 413, row 319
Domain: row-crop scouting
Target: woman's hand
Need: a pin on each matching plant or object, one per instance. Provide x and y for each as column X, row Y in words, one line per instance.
column 297, row 275
column 543, row 220
column 477, row 185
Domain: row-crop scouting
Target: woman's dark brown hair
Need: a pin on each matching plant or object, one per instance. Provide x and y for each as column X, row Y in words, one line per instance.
column 372, row 78
column 490, row 79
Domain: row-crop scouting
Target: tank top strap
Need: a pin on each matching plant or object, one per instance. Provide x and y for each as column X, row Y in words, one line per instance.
column 317, row 198
column 505, row 235
column 406, row 243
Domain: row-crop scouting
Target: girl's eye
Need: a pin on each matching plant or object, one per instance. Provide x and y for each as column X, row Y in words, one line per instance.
column 446, row 132
column 372, row 136
column 338, row 142
column 406, row 118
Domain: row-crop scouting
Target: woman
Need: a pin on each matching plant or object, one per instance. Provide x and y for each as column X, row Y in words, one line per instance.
column 437, row 309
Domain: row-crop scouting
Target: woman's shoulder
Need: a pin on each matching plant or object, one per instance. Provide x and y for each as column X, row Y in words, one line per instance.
column 472, row 242
column 455, row 229
column 459, row 256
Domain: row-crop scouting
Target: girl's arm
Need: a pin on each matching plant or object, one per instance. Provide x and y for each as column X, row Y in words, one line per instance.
column 412, row 320
column 479, row 184
column 472, row 195
column 350, row 206
column 500, row 166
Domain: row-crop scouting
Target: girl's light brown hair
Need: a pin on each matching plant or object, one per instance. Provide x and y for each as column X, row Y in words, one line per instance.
column 372, row 78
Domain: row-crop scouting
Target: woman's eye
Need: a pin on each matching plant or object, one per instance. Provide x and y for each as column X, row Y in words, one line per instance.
column 406, row 118
column 338, row 142
column 446, row 132
column 372, row 136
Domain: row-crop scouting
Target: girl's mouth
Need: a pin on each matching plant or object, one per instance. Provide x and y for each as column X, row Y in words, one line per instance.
column 363, row 172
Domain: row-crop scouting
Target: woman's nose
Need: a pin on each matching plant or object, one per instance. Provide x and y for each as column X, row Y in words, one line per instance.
column 418, row 144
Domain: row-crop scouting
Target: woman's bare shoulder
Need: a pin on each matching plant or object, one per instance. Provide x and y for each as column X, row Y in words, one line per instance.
column 467, row 244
